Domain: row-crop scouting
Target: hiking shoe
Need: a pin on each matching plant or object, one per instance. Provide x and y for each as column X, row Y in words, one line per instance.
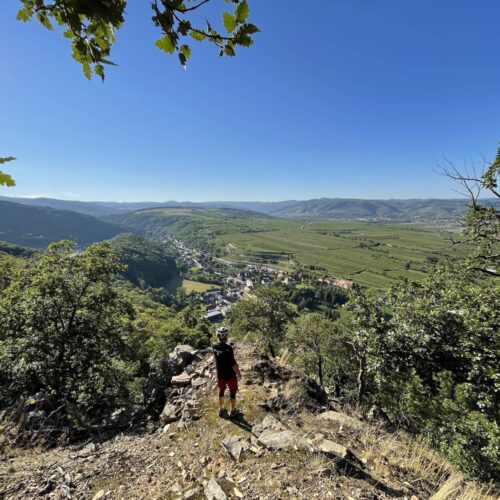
column 222, row 413
column 235, row 414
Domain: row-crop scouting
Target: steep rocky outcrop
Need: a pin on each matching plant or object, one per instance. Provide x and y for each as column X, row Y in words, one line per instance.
column 289, row 443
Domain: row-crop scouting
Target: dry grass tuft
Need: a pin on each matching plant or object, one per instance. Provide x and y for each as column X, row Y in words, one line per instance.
column 429, row 470
column 457, row 488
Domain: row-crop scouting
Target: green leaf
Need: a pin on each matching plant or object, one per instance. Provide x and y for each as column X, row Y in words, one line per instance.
column 241, row 12
column 229, row 50
column 229, row 22
column 6, row 159
column 6, row 180
column 24, row 14
column 250, row 29
column 196, row 35
column 87, row 70
column 185, row 50
column 166, row 44
column 99, row 71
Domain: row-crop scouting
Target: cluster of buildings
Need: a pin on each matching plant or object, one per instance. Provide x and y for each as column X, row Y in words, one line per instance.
column 206, row 264
column 266, row 275
column 341, row 283
column 219, row 301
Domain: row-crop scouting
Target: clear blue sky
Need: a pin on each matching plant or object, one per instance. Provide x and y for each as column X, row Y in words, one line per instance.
column 351, row 98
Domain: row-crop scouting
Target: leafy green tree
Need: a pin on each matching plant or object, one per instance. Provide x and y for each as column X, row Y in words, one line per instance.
column 449, row 322
column 91, row 27
column 310, row 339
column 8, row 265
column 64, row 329
column 263, row 318
column 482, row 223
column 157, row 328
column 435, row 369
column 365, row 325
column 6, row 179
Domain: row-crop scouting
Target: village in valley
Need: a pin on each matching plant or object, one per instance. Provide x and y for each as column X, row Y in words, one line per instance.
column 230, row 281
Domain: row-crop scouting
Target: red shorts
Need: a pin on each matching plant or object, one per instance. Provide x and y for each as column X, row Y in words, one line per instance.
column 231, row 384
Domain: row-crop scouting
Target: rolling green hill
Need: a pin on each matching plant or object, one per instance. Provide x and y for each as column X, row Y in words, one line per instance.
column 147, row 262
column 197, row 227
column 36, row 227
column 395, row 210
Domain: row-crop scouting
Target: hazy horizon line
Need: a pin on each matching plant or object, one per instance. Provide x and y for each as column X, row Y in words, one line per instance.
column 289, row 200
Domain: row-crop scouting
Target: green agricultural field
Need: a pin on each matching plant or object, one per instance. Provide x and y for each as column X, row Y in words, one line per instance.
column 372, row 254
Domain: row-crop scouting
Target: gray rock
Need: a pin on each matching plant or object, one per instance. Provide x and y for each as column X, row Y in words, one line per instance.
column 186, row 353
column 154, row 395
column 234, row 446
column 170, row 413
column 198, row 382
column 281, row 440
column 341, row 419
column 35, row 419
column 213, row 491
column 331, row 448
column 191, row 494
column 269, row 423
column 182, row 379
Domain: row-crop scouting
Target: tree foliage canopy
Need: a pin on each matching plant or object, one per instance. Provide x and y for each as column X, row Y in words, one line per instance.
column 310, row 339
column 263, row 317
column 64, row 327
column 482, row 223
column 91, row 26
column 5, row 179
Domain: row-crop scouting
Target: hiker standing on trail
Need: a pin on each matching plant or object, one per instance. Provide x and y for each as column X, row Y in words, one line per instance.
column 228, row 372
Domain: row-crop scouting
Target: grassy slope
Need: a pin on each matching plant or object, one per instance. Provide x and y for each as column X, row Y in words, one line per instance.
column 196, row 286
column 372, row 254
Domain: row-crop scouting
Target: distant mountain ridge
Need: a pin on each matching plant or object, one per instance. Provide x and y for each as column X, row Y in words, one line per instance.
column 321, row 208
column 36, row 227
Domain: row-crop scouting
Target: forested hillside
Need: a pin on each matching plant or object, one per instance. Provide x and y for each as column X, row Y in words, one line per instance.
column 147, row 262
column 195, row 226
column 16, row 250
column 38, row 226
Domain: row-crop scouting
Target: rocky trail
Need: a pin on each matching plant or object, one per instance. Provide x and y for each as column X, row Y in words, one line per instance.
column 292, row 442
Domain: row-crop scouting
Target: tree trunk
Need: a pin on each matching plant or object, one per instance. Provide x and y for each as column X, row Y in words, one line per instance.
column 320, row 371
column 361, row 378
column 271, row 348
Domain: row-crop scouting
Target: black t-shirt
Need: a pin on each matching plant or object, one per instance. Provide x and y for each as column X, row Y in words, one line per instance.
column 224, row 360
